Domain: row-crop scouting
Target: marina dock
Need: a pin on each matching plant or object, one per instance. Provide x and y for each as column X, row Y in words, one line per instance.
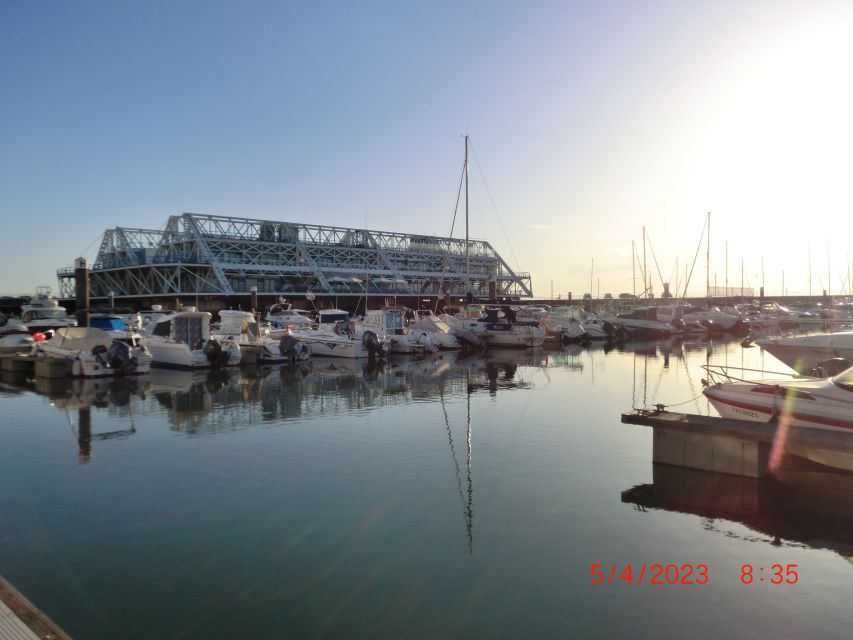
column 737, row 447
column 40, row 367
column 21, row 620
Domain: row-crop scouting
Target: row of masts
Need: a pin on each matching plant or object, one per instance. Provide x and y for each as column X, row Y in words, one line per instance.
column 681, row 288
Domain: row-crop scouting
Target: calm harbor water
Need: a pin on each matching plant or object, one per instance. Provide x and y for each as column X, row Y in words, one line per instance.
column 447, row 497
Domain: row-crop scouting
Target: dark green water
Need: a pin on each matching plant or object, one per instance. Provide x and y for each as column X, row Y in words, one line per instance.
column 445, row 498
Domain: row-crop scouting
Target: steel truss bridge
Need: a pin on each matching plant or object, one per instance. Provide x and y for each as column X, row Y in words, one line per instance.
column 220, row 256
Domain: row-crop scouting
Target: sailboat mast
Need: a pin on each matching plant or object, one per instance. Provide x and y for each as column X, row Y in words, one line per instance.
column 645, row 284
column 633, row 268
column 708, row 263
column 467, row 251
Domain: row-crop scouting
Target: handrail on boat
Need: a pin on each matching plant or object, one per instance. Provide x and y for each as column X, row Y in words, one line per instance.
column 722, row 370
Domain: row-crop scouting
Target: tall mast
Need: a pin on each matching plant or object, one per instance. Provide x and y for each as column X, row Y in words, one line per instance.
column 633, row 269
column 645, row 284
column 810, row 269
column 467, row 252
column 708, row 263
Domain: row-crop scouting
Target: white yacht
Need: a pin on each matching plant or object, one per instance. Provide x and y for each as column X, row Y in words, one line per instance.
column 94, row 353
column 242, row 328
column 182, row 339
column 43, row 312
column 335, row 336
column 282, row 314
column 804, row 353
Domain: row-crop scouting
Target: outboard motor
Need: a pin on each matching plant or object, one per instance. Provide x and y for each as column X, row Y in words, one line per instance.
column 609, row 328
column 374, row 347
column 293, row 348
column 99, row 351
column 119, row 358
column 215, row 355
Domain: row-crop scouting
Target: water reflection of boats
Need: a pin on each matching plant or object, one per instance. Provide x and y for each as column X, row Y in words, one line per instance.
column 802, row 504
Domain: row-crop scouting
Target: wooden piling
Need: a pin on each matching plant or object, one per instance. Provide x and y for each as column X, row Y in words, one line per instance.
column 81, row 283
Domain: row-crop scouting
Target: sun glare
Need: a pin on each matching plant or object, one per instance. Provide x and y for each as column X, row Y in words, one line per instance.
column 783, row 140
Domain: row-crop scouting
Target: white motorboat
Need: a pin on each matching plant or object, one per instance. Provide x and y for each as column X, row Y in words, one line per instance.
column 494, row 328
column 94, row 353
column 563, row 324
column 644, row 321
column 390, row 323
column 714, row 319
column 597, row 328
column 43, row 312
column 282, row 314
column 799, row 402
column 16, row 339
column 804, row 353
column 439, row 331
column 242, row 328
column 183, row 340
column 335, row 336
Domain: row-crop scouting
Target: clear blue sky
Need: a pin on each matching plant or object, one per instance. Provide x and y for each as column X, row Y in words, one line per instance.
column 589, row 120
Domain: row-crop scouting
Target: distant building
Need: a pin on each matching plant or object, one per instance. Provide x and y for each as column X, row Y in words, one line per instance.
column 223, row 256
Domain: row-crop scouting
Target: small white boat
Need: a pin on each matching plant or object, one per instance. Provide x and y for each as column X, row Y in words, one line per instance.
column 94, row 353
column 563, row 325
column 183, row 340
column 439, row 331
column 335, row 336
column 597, row 328
column 799, row 402
column 389, row 322
column 16, row 339
column 242, row 328
column 644, row 321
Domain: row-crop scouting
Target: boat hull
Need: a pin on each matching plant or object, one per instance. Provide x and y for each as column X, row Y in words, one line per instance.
column 735, row 401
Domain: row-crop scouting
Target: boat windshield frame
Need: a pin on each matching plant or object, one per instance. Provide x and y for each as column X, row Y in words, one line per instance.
column 844, row 380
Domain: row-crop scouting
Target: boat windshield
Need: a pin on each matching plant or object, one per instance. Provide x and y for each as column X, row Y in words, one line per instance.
column 845, row 379
column 47, row 314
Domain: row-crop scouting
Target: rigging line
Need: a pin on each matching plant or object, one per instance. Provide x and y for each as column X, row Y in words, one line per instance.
column 699, row 246
column 458, row 197
column 655, row 258
column 85, row 251
column 494, row 206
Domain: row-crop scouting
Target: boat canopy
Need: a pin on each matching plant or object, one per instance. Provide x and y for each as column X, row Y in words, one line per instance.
column 81, row 338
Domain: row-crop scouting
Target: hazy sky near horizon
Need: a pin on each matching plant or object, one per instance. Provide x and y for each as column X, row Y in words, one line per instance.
column 588, row 121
